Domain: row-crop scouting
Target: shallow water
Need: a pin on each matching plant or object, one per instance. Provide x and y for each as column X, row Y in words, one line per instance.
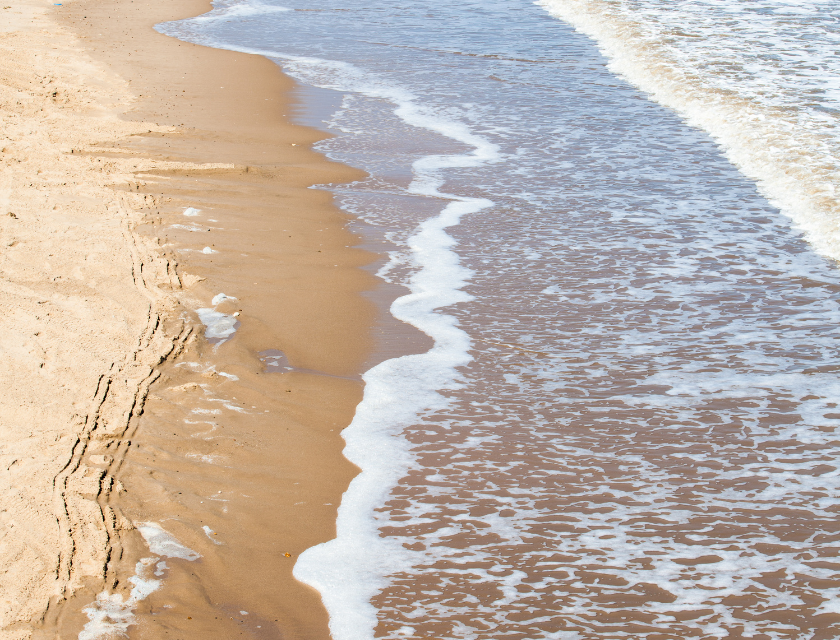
column 626, row 427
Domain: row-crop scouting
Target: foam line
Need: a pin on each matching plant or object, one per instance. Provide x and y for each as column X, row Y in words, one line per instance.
column 351, row 569
column 789, row 151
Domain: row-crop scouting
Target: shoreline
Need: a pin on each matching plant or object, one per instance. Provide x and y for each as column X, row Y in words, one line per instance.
column 231, row 154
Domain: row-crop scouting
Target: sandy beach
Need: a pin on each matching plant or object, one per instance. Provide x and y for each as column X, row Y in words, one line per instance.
column 111, row 132
column 616, row 222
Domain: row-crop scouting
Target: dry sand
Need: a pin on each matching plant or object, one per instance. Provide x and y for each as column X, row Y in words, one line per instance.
column 109, row 132
column 87, row 308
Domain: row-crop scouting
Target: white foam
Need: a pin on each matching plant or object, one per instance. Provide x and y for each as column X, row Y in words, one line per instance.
column 210, row 534
column 219, row 325
column 209, row 459
column 192, row 211
column 761, row 111
column 163, row 543
column 219, row 298
column 110, row 614
column 189, row 227
column 206, row 368
column 223, row 12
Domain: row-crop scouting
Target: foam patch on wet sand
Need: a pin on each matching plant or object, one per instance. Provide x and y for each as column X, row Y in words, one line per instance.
column 111, row 614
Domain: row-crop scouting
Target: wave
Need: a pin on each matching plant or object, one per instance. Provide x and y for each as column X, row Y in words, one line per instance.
column 749, row 77
column 224, row 12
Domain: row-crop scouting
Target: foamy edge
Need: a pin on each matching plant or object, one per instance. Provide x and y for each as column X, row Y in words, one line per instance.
column 756, row 139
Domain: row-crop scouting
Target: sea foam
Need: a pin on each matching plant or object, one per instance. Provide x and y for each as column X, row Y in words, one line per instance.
column 743, row 74
column 111, row 614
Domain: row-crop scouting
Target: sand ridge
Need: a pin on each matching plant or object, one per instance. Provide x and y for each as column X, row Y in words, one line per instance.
column 86, row 314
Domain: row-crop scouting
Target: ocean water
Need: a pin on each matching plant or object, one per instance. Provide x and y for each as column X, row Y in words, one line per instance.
column 618, row 222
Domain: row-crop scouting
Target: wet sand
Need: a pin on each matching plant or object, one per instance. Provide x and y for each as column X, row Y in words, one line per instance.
column 231, row 447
